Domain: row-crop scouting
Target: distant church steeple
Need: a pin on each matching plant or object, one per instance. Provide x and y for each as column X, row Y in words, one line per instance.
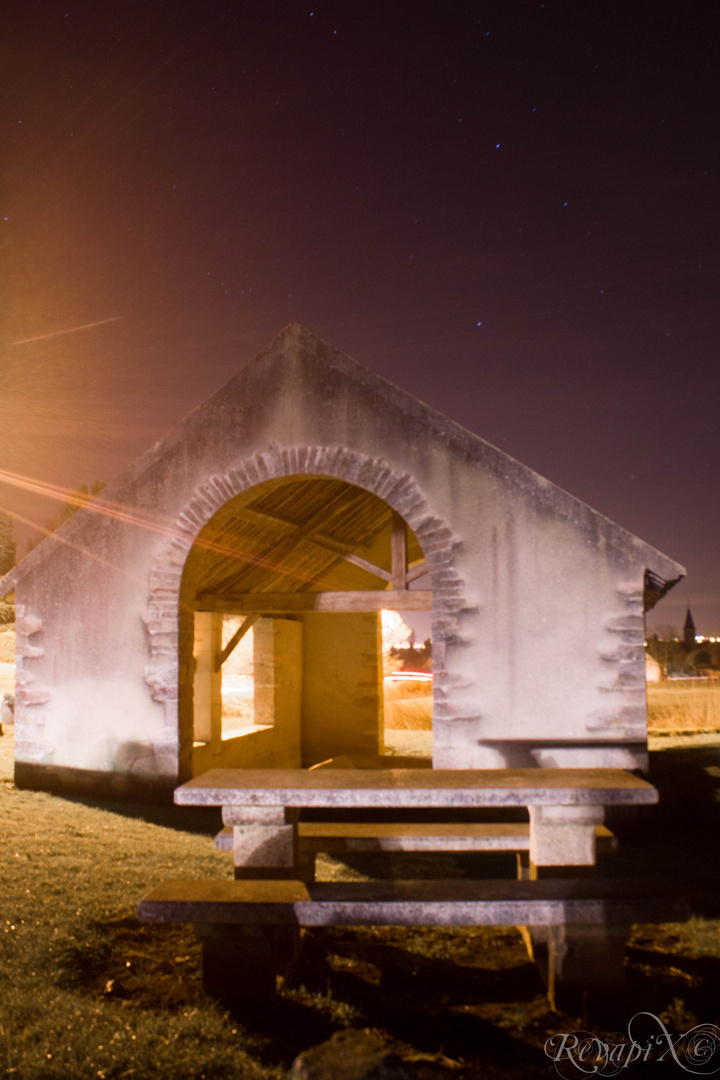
column 689, row 632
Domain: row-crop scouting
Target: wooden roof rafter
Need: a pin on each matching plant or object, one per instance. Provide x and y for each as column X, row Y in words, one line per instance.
column 293, row 537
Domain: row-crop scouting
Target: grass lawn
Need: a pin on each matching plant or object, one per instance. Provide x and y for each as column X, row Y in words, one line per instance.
column 88, row 992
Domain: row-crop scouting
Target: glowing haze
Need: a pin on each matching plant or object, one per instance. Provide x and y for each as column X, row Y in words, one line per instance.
column 509, row 209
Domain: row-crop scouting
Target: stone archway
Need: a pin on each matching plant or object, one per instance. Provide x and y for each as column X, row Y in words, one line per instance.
column 400, row 492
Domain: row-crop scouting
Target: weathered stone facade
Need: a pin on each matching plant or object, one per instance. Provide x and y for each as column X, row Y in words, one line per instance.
column 537, row 600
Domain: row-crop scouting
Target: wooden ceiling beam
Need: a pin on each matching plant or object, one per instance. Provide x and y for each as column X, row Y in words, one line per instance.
column 264, row 521
column 298, row 602
column 290, row 528
column 283, row 548
column 348, row 556
column 293, row 534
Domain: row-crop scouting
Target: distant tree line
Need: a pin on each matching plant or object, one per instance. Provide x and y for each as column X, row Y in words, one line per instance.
column 7, row 561
column 674, row 659
column 414, row 657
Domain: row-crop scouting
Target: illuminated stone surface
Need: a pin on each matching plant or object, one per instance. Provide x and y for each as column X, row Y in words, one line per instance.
column 411, row 903
column 565, row 789
column 537, row 600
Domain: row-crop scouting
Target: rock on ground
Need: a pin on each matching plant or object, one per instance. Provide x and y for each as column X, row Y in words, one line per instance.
column 351, row 1054
column 362, row 1054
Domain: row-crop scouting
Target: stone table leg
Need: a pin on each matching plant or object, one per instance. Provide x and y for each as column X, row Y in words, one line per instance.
column 564, row 835
column 264, row 841
column 582, row 965
column 586, row 972
column 242, row 963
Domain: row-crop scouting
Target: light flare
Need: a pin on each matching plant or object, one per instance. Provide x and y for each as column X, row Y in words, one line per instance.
column 144, row 519
column 71, row 330
column 68, row 543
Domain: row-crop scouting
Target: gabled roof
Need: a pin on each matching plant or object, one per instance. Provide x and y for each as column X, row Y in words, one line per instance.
column 296, row 358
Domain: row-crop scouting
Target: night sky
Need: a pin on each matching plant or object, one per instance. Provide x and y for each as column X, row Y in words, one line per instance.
column 508, row 208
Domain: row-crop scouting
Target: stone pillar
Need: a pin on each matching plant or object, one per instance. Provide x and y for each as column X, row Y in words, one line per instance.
column 586, row 971
column 277, row 667
column 207, row 692
column 342, row 686
column 242, row 964
column 581, row 973
column 582, row 965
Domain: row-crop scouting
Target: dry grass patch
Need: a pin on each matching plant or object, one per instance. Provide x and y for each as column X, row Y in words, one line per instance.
column 7, row 644
column 408, row 704
column 683, row 706
column 239, row 707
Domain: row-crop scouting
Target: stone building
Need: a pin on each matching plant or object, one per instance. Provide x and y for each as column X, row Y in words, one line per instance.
column 306, row 495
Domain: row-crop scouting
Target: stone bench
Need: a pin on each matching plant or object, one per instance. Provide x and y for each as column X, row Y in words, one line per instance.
column 254, row 926
column 410, row 903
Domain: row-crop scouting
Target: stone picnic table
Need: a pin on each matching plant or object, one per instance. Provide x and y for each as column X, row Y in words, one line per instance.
column 575, row 926
column 566, row 806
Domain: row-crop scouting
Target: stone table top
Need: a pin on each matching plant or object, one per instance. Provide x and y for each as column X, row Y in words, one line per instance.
column 415, row 788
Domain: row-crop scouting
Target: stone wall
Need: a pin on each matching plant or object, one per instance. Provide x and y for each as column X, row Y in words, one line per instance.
column 536, row 623
column 400, row 492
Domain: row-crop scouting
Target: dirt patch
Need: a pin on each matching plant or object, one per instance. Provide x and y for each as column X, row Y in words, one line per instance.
column 144, row 966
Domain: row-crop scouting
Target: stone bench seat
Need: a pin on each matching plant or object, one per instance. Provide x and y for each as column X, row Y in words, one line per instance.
column 250, row 931
column 369, row 837
column 412, row 903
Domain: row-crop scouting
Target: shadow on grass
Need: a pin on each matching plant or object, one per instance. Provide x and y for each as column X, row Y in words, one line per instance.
column 678, row 838
column 201, row 820
column 420, row 999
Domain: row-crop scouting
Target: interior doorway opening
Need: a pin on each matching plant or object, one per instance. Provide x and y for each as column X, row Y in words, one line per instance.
column 238, row 675
column 407, row 686
column 282, row 599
